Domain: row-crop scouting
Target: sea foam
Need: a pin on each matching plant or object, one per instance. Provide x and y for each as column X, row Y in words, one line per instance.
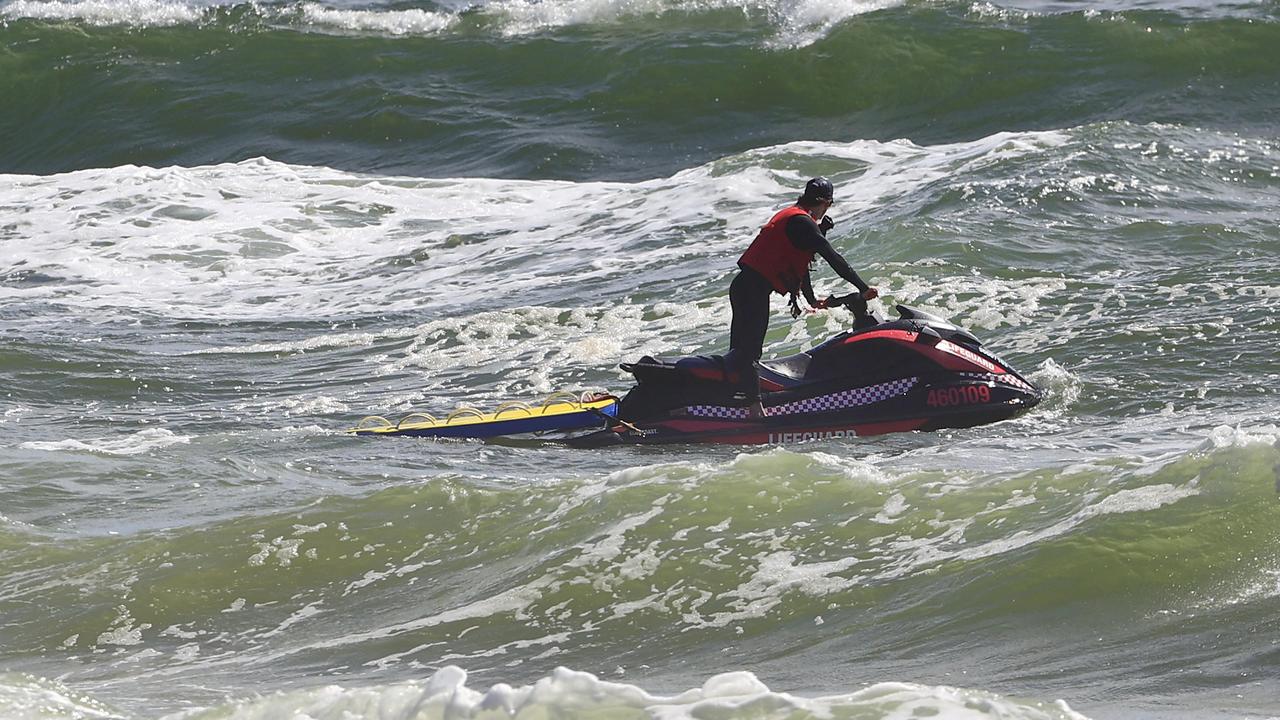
column 138, row 443
column 565, row 692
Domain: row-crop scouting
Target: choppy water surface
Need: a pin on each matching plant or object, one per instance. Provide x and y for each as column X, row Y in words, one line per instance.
column 228, row 232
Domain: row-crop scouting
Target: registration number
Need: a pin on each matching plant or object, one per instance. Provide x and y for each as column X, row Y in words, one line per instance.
column 964, row 395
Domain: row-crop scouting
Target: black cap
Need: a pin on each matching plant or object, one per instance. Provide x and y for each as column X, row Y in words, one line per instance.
column 819, row 188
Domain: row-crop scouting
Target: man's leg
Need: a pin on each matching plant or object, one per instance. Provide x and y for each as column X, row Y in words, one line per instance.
column 750, row 304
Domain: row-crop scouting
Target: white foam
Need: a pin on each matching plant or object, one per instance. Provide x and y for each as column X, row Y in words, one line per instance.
column 798, row 23
column 988, row 11
column 389, row 22
column 1224, row 436
column 567, row 692
column 311, row 405
column 27, row 697
column 777, row 575
column 857, row 470
column 905, row 555
column 975, row 301
column 305, row 612
column 138, row 443
column 526, row 342
column 283, row 550
column 893, row 507
column 137, row 13
column 1262, row 588
column 513, row 600
column 611, row 545
column 124, row 631
column 259, row 239
column 807, row 21
column 1140, row 499
column 522, row 17
column 1063, row 386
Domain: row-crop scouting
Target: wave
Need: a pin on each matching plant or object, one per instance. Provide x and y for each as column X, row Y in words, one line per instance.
column 28, row 697
column 792, row 546
column 136, row 13
column 445, row 694
column 799, row 22
column 433, row 91
column 269, row 234
column 806, row 20
column 264, row 241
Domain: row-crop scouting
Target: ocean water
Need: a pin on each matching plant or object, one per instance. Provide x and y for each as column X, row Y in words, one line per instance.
column 229, row 231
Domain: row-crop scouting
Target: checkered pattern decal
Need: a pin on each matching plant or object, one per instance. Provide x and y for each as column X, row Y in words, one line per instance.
column 822, row 403
column 718, row 411
column 1007, row 379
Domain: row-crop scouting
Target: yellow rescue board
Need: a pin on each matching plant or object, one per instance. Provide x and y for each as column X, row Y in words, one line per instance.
column 562, row 411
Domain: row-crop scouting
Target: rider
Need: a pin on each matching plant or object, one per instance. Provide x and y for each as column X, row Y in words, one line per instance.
column 778, row 261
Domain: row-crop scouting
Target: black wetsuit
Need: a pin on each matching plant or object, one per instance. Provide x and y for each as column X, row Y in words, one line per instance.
column 749, row 300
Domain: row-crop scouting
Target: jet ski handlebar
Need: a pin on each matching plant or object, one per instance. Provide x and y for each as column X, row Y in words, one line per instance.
column 853, row 301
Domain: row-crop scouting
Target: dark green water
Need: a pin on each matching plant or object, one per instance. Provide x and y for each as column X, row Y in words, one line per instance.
column 624, row 94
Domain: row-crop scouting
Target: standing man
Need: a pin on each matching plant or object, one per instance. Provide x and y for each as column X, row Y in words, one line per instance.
column 778, row 261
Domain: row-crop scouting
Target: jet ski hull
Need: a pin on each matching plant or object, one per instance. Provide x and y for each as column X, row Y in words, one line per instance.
column 918, row 405
column 916, row 373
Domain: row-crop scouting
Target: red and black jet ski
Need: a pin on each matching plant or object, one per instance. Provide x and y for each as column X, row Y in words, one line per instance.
column 918, row 372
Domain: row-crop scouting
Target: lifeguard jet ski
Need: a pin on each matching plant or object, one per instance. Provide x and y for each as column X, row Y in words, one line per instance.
column 919, row 372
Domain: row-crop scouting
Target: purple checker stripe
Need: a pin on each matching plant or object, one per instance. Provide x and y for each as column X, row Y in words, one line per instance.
column 1007, row 379
column 822, row 403
column 846, row 398
column 717, row 411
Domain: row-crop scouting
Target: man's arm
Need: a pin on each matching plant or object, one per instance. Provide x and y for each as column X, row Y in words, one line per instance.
column 806, row 288
column 803, row 232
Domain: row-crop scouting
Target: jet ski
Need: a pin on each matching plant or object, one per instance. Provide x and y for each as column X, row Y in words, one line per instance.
column 918, row 372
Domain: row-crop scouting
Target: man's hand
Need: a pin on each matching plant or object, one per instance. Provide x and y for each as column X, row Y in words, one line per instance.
column 826, row 224
column 870, row 293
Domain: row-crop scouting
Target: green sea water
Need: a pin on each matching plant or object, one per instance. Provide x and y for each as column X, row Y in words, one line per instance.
column 229, row 232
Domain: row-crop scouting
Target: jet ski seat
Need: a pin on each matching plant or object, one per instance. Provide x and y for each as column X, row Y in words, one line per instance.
column 774, row 374
column 714, row 368
column 792, row 367
column 721, row 368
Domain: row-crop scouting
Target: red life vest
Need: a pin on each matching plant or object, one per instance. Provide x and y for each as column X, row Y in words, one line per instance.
column 775, row 257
